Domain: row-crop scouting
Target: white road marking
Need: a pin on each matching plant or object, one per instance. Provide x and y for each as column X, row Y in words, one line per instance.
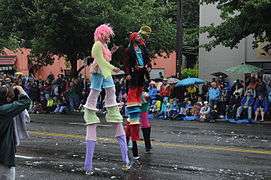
column 77, row 124
column 27, row 157
column 83, row 124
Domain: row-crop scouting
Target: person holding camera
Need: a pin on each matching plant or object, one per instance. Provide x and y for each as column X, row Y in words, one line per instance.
column 13, row 101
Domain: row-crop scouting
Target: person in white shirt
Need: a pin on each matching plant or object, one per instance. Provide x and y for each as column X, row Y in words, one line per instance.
column 205, row 111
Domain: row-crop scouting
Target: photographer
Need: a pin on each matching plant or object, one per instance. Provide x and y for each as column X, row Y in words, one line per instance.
column 13, row 100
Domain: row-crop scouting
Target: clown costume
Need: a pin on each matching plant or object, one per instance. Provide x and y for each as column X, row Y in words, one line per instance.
column 102, row 78
column 137, row 70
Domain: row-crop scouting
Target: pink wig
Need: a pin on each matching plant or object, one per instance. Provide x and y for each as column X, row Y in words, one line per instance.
column 102, row 32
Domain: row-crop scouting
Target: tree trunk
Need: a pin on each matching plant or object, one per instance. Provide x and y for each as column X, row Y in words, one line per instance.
column 179, row 38
column 191, row 60
column 74, row 72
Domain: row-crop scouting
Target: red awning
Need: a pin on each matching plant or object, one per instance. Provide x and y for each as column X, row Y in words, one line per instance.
column 7, row 60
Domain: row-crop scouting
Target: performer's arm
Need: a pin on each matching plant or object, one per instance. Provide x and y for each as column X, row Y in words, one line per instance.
column 105, row 66
column 147, row 57
column 127, row 61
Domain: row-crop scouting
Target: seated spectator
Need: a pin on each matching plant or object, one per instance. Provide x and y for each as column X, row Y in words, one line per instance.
column 152, row 107
column 51, row 104
column 213, row 94
column 252, row 92
column 205, row 111
column 37, row 108
column 174, row 109
column 246, row 104
column 214, row 113
column 261, row 107
column 188, row 108
column 157, row 107
column 196, row 109
column 182, row 106
column 164, row 108
column 224, row 100
column 232, row 106
column 61, row 105
column 238, row 88
column 184, row 109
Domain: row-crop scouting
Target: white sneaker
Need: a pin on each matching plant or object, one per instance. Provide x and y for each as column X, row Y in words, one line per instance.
column 90, row 173
column 136, row 158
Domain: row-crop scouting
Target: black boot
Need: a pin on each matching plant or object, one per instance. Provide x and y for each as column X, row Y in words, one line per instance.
column 146, row 135
column 127, row 140
column 149, row 137
column 135, row 150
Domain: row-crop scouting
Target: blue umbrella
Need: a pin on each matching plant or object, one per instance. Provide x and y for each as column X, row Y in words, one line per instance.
column 189, row 82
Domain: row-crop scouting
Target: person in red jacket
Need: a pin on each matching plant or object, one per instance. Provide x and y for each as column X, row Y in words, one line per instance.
column 165, row 89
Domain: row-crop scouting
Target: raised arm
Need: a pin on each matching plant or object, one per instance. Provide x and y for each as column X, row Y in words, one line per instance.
column 16, row 107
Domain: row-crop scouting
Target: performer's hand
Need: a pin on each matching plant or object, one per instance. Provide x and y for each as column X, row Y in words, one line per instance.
column 149, row 69
column 116, row 70
column 129, row 77
column 114, row 48
column 19, row 88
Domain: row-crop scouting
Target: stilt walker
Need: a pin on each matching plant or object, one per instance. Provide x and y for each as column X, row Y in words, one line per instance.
column 137, row 70
column 102, row 78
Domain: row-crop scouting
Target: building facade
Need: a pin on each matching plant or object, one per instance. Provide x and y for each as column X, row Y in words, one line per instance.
column 17, row 61
column 220, row 58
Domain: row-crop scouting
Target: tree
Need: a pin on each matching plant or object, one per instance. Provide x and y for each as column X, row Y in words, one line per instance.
column 66, row 28
column 241, row 18
column 9, row 30
column 10, row 42
column 190, row 23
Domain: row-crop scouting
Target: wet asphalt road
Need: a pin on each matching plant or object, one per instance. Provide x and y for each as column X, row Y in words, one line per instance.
column 181, row 150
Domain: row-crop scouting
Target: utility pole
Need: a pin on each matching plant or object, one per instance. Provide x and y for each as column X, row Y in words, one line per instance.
column 179, row 39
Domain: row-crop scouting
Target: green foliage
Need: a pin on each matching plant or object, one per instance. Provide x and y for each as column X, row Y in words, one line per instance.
column 10, row 42
column 241, row 18
column 188, row 72
column 66, row 27
column 191, row 45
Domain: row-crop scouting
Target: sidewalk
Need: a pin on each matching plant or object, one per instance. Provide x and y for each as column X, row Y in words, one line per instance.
column 258, row 122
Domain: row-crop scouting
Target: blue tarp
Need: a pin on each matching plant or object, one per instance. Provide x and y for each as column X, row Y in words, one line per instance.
column 189, row 118
column 240, row 121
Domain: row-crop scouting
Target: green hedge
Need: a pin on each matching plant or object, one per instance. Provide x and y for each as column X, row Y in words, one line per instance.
column 187, row 72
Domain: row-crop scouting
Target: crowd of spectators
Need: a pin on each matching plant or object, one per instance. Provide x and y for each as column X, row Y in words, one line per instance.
column 248, row 99
column 213, row 100
column 54, row 95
